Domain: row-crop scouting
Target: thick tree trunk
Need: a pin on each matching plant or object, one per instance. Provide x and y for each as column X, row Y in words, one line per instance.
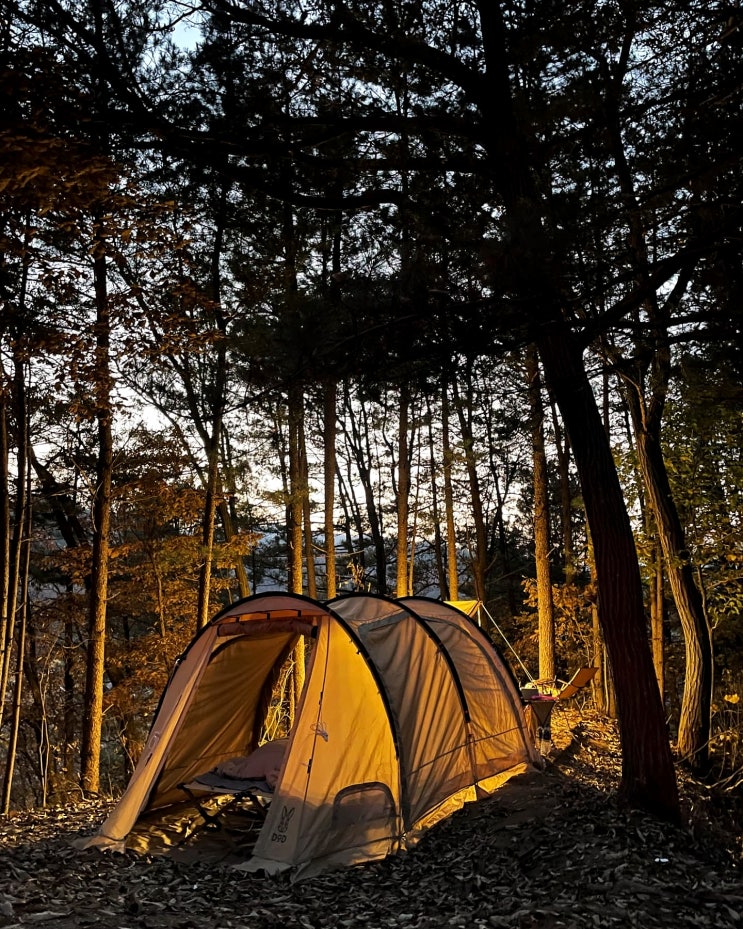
column 648, row 778
column 657, row 618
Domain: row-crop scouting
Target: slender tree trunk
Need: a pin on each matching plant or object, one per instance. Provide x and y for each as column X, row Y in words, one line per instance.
column 296, row 513
column 541, row 520
column 15, row 721
column 566, row 505
column 18, row 593
column 228, row 521
column 14, row 538
column 210, row 428
column 294, row 503
column 330, row 420
column 452, row 561
column 359, row 443
column 309, row 550
column 5, row 545
column 90, row 751
column 403, row 492
column 208, row 527
column 11, row 544
column 646, row 407
column 438, row 541
column 479, row 550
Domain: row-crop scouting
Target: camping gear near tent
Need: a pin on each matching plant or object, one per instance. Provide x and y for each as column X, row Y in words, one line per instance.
column 408, row 712
column 543, row 696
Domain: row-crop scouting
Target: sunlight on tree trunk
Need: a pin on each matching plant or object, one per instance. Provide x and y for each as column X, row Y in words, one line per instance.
column 403, row 492
column 90, row 750
column 658, row 616
column 17, row 707
column 330, row 466
column 545, row 605
column 452, row 564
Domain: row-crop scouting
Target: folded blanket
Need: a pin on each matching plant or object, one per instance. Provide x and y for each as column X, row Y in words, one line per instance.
column 262, row 764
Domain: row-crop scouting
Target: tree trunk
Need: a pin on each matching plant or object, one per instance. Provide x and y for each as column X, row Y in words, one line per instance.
column 309, row 549
column 16, row 535
column 696, row 705
column 545, row 603
column 648, row 777
column 403, row 491
column 15, row 720
column 359, row 443
column 208, row 525
column 566, row 497
column 90, row 751
column 438, row 541
column 658, row 617
column 479, row 548
column 330, row 462
column 646, row 407
column 452, row 561
column 5, row 546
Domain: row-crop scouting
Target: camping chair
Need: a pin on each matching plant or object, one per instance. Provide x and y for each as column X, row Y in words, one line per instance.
column 581, row 678
column 564, row 690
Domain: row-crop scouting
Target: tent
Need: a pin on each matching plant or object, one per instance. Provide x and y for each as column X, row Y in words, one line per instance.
column 408, row 711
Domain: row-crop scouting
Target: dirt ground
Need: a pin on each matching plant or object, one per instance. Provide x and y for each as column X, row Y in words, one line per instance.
column 549, row 849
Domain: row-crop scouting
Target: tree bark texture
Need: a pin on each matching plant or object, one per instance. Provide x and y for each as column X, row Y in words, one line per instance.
column 90, row 750
column 403, row 491
column 696, row 705
column 648, row 778
column 330, row 465
column 541, row 520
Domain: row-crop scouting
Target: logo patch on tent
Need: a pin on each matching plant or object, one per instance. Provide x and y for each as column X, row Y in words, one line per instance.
column 283, row 826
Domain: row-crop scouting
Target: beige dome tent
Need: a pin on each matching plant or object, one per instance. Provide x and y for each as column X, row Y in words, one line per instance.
column 408, row 711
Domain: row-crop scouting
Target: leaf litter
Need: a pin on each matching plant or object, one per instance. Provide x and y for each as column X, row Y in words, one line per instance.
column 550, row 849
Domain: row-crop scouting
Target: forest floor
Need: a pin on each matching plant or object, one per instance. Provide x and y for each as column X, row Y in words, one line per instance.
column 548, row 849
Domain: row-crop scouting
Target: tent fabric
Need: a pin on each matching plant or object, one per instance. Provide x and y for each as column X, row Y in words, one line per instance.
column 408, row 712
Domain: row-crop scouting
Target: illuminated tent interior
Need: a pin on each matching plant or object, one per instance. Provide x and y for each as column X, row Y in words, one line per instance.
column 408, row 711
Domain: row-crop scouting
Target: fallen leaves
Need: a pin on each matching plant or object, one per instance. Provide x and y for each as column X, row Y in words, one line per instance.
column 550, row 849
